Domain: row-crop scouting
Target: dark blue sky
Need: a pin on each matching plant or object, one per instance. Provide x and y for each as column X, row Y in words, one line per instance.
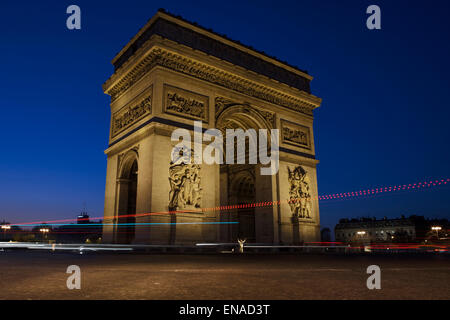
column 383, row 121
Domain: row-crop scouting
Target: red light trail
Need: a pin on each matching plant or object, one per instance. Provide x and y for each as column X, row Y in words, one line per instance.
column 368, row 192
column 335, row 196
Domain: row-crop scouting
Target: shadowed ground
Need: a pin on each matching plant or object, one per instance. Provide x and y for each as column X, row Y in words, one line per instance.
column 42, row 275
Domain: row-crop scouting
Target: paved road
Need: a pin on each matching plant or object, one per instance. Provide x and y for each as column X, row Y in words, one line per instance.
column 42, row 275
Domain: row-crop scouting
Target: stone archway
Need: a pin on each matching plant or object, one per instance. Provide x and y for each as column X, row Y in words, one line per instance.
column 127, row 197
column 242, row 184
column 242, row 192
column 242, row 116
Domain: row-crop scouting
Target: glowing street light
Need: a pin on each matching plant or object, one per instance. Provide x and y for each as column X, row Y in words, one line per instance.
column 44, row 231
column 437, row 229
column 361, row 233
column 5, row 227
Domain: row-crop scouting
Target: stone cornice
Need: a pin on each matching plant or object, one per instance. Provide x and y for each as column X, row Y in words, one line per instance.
column 157, row 56
column 289, row 155
column 191, row 34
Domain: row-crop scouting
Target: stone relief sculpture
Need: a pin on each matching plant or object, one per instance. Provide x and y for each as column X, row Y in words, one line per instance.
column 222, row 104
column 184, row 179
column 185, row 103
column 180, row 104
column 131, row 114
column 299, row 193
column 295, row 134
column 159, row 57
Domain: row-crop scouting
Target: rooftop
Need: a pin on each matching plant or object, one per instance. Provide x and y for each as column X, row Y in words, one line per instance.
column 191, row 34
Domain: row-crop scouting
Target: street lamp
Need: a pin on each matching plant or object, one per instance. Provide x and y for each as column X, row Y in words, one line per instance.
column 44, row 231
column 361, row 236
column 437, row 229
column 4, row 228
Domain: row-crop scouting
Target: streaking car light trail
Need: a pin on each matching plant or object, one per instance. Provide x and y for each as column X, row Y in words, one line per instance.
column 335, row 196
column 122, row 224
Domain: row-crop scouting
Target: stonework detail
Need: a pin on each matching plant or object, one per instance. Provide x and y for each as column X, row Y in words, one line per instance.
column 122, row 155
column 160, row 85
column 295, row 134
column 269, row 116
column 222, row 104
column 185, row 103
column 299, row 193
column 184, row 179
column 159, row 57
column 131, row 114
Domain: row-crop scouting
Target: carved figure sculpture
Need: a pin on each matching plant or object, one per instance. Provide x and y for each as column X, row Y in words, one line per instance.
column 299, row 193
column 184, row 179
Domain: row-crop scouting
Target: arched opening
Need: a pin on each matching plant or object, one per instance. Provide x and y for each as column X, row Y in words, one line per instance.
column 243, row 194
column 238, row 185
column 127, row 191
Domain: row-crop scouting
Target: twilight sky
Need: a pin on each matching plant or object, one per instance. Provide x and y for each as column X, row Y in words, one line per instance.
column 383, row 121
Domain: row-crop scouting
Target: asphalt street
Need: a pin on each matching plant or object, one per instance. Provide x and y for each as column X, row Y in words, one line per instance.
column 42, row 275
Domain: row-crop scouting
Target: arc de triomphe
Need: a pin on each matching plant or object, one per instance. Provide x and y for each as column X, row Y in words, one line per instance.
column 172, row 73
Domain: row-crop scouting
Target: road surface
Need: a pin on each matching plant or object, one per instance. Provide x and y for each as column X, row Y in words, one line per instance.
column 42, row 275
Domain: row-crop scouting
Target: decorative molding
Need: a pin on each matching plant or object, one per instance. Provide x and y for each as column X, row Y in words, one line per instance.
column 176, row 62
column 121, row 156
column 222, row 104
column 186, row 104
column 295, row 134
column 269, row 116
column 129, row 115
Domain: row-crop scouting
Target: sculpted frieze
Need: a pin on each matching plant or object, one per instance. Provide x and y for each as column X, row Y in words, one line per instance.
column 159, row 57
column 131, row 114
column 295, row 134
column 185, row 103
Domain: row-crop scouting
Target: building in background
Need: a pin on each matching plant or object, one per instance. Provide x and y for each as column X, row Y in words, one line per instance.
column 412, row 229
column 7, row 231
column 83, row 231
column 83, row 217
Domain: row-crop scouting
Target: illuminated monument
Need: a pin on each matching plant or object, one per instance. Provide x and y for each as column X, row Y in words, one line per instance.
column 171, row 73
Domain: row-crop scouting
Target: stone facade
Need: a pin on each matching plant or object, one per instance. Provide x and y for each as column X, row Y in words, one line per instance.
column 372, row 230
column 165, row 80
